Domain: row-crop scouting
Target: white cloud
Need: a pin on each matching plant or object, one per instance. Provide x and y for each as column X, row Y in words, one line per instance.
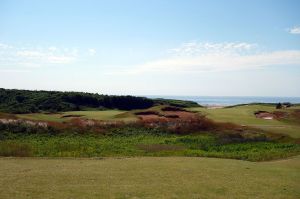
column 4, row 46
column 12, row 71
column 294, row 30
column 52, row 48
column 192, row 48
column 18, row 57
column 44, row 57
column 91, row 51
column 196, row 57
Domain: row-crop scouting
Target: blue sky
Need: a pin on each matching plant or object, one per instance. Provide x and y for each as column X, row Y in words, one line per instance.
column 157, row 47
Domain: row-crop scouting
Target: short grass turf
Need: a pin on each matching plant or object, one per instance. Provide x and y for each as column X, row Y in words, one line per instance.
column 148, row 177
column 244, row 115
column 96, row 115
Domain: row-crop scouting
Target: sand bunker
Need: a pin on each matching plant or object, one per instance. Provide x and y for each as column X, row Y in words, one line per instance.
column 264, row 115
column 270, row 116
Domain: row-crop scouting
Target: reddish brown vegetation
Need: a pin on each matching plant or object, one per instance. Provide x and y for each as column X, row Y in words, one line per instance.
column 183, row 122
column 296, row 114
column 174, row 120
column 280, row 114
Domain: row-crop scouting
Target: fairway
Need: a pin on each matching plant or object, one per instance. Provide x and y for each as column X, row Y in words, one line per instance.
column 65, row 116
column 244, row 115
column 148, row 177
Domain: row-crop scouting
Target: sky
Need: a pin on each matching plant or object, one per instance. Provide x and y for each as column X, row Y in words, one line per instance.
column 152, row 47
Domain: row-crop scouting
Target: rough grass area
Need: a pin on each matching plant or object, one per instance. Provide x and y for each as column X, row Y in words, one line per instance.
column 244, row 115
column 148, row 177
column 141, row 142
column 15, row 149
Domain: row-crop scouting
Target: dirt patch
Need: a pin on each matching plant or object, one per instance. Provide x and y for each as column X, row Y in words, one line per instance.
column 159, row 147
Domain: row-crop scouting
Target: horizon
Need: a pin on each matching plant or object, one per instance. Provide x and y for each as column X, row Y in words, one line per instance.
column 163, row 96
column 164, row 48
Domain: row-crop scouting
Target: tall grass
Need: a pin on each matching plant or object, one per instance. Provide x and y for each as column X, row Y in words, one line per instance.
column 156, row 138
column 139, row 142
column 17, row 149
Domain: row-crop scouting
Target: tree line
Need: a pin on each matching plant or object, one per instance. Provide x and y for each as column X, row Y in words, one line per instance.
column 26, row 101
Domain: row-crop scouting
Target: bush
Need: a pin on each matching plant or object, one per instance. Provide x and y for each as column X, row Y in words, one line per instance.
column 279, row 106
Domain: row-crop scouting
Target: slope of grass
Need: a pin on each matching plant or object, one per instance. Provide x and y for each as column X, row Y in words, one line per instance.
column 148, row 177
column 177, row 103
column 244, row 115
column 97, row 115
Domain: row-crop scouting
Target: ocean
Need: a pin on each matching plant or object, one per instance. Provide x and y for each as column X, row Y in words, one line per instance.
column 227, row 101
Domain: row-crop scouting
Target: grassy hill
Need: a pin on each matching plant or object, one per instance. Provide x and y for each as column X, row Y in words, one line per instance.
column 66, row 116
column 244, row 115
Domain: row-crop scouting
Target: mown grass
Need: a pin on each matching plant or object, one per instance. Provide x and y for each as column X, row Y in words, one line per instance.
column 96, row 115
column 244, row 115
column 148, row 177
column 142, row 142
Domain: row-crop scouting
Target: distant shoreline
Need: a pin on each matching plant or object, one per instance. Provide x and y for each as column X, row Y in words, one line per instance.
column 219, row 101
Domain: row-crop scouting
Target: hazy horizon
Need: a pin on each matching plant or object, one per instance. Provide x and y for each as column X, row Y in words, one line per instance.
column 158, row 95
column 169, row 48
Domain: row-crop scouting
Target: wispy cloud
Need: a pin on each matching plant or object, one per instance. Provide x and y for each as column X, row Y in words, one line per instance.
column 16, row 58
column 194, row 48
column 12, row 71
column 91, row 51
column 46, row 57
column 294, row 30
column 196, row 57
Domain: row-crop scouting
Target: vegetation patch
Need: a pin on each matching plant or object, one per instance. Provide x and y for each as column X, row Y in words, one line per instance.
column 159, row 147
column 134, row 141
column 177, row 103
column 244, row 115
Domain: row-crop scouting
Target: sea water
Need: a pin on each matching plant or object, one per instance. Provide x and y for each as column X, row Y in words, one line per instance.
column 230, row 100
